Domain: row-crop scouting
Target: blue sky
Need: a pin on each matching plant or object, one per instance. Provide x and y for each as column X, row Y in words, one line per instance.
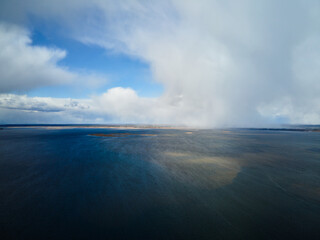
column 206, row 63
column 118, row 69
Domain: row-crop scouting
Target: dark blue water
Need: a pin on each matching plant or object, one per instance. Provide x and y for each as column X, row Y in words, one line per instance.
column 238, row 184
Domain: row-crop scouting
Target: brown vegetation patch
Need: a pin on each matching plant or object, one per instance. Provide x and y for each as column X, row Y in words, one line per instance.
column 119, row 134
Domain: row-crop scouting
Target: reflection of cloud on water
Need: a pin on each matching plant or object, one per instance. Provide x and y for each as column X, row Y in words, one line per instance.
column 201, row 171
column 218, row 171
column 177, row 154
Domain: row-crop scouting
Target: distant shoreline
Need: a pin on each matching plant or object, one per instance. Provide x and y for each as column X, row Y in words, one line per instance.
column 293, row 128
column 94, row 126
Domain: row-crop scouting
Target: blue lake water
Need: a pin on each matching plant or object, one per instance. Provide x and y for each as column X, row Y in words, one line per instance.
column 171, row 184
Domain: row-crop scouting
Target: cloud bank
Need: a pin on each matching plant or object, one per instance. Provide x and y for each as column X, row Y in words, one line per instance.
column 118, row 105
column 222, row 63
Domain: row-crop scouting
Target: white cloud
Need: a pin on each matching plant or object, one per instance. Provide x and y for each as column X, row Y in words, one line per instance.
column 222, row 63
column 117, row 105
column 24, row 66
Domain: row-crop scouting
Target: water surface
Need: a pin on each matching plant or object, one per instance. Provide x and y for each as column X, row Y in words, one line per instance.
column 159, row 184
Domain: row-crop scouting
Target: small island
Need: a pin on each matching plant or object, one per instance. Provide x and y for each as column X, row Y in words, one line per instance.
column 119, row 134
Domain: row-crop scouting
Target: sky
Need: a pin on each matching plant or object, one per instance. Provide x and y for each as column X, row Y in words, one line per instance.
column 206, row 63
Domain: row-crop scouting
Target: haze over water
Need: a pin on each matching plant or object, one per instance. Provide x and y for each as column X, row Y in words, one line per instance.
column 159, row 184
